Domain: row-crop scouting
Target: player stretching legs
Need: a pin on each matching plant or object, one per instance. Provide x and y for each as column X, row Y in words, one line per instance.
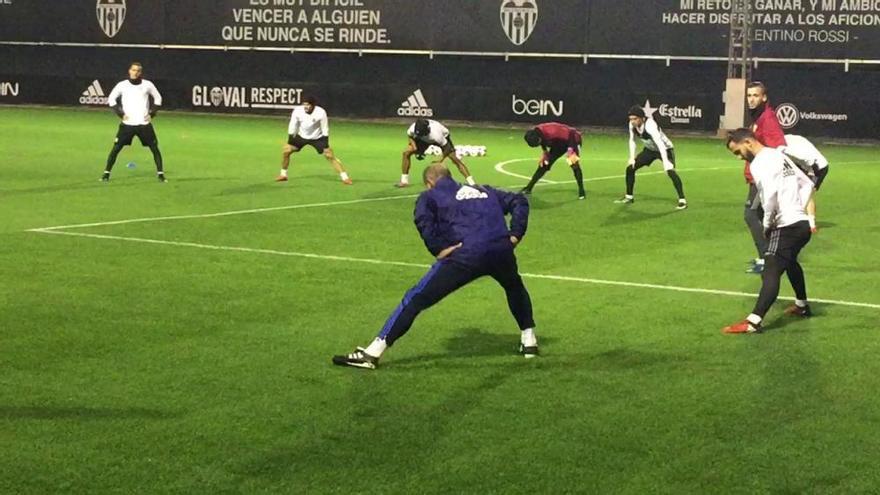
column 136, row 101
column 464, row 227
column 783, row 191
column 309, row 126
column 657, row 147
column 555, row 140
column 424, row 133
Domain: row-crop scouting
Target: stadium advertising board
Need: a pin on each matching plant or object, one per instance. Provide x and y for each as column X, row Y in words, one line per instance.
column 9, row 91
column 532, row 105
column 258, row 97
column 836, row 29
column 692, row 107
column 810, row 115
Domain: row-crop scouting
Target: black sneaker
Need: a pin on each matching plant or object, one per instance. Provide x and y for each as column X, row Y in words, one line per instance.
column 756, row 269
column 682, row 204
column 105, row 178
column 528, row 352
column 625, row 201
column 795, row 310
column 358, row 359
column 162, row 178
column 582, row 195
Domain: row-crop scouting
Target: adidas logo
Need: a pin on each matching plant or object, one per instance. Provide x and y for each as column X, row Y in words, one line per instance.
column 415, row 106
column 93, row 95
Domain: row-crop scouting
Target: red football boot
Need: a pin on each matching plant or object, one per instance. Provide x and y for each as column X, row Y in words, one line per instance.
column 744, row 326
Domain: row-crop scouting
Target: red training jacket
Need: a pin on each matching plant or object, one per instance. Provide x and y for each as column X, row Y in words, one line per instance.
column 768, row 131
column 558, row 135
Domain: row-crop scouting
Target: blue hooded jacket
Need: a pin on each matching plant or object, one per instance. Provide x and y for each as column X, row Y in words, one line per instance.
column 450, row 213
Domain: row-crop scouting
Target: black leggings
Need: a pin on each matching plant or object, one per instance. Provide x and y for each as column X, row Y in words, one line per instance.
column 117, row 147
column 781, row 257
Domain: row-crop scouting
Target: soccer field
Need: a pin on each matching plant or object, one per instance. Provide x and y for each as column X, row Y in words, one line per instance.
column 176, row 338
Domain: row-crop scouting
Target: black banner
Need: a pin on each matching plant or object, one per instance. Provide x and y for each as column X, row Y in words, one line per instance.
column 697, row 106
column 828, row 29
column 811, row 29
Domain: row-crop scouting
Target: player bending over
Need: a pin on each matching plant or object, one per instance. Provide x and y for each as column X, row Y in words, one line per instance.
column 555, row 140
column 424, row 133
column 802, row 152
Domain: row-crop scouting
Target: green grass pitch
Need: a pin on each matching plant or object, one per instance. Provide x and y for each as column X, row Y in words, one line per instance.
column 192, row 355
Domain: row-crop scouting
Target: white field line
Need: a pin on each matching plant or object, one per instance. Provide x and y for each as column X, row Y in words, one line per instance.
column 58, row 230
column 273, row 208
column 220, row 214
column 582, row 280
column 499, row 167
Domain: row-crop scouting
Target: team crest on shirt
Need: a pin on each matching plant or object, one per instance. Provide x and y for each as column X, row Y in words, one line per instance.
column 111, row 15
column 468, row 192
column 518, row 19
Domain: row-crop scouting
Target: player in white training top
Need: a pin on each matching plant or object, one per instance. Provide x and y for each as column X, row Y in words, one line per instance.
column 136, row 101
column 423, row 134
column 309, row 127
column 656, row 147
column 783, row 191
column 802, row 152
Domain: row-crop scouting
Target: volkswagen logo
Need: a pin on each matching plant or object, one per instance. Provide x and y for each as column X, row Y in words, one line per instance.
column 788, row 115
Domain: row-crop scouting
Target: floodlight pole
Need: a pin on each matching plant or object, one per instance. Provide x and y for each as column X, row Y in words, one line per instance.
column 739, row 66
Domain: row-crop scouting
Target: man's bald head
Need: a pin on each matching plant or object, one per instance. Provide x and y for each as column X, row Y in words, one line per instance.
column 434, row 173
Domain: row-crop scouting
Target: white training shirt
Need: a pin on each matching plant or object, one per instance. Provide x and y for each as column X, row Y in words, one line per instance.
column 135, row 100
column 308, row 125
column 653, row 138
column 802, row 152
column 783, row 189
column 437, row 133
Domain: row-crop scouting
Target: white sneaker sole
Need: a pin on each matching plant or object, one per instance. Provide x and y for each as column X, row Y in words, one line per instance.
column 369, row 366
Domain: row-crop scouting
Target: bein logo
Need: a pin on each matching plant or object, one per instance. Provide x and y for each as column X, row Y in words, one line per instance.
column 537, row 107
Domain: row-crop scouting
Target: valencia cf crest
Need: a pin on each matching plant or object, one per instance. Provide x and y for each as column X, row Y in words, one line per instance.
column 216, row 96
column 518, row 19
column 111, row 15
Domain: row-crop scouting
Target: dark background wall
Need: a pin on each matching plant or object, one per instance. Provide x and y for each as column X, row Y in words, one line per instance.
column 84, row 54
column 461, row 88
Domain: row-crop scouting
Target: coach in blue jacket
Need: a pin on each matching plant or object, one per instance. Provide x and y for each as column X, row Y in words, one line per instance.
column 465, row 228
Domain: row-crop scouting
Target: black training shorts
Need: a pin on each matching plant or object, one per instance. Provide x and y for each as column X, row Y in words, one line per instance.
column 145, row 133
column 320, row 144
